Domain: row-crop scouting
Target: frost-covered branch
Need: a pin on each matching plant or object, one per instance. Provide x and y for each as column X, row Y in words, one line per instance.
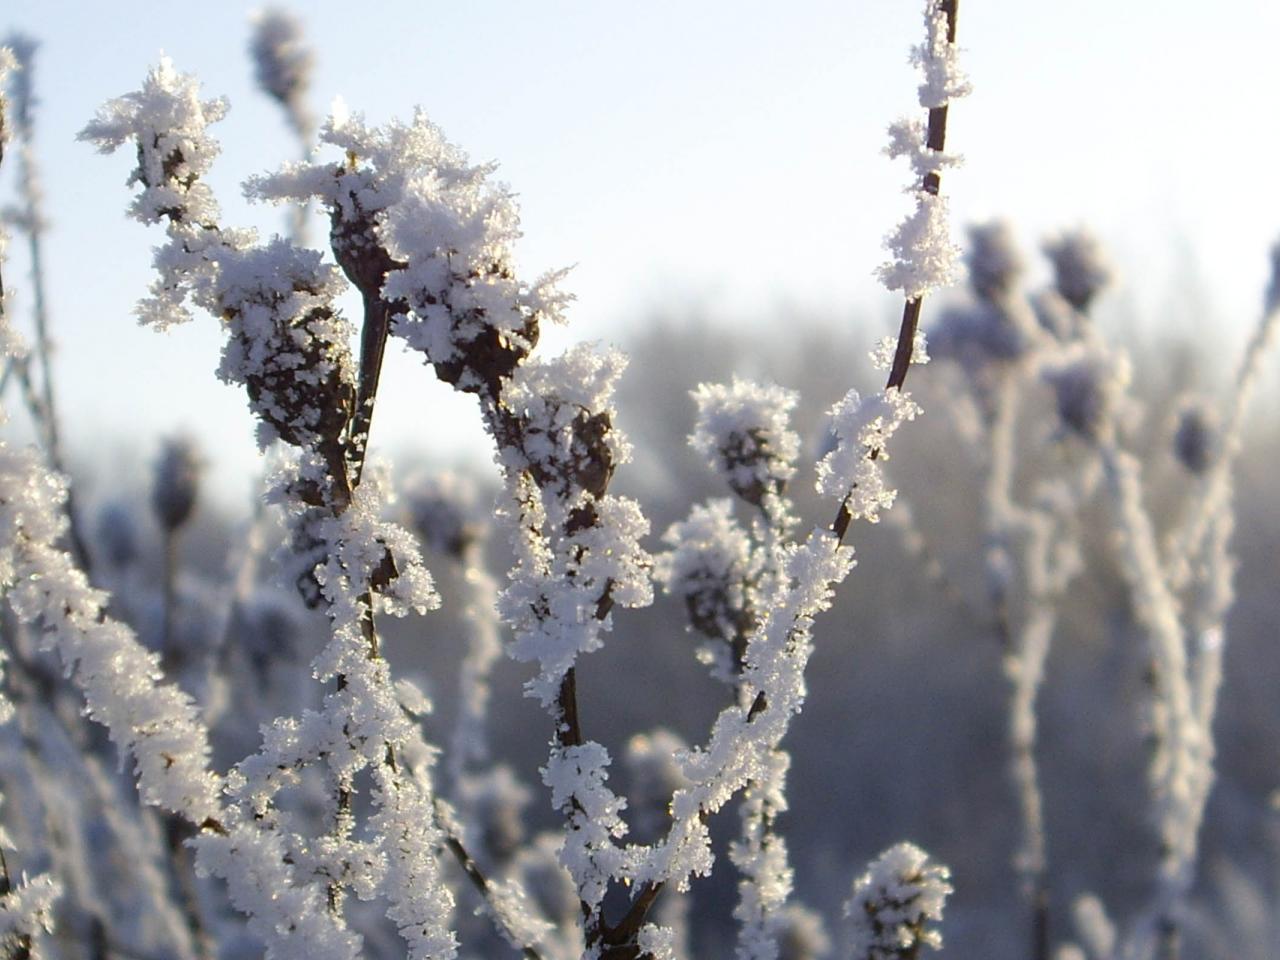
column 923, row 256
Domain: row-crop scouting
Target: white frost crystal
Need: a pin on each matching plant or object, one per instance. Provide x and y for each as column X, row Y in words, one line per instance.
column 944, row 80
column 924, row 258
column 854, row 468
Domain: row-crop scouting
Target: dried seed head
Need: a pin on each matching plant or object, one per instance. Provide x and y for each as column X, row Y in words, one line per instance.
column 176, row 482
column 283, row 64
column 743, row 431
column 984, row 332
column 288, row 345
column 168, row 124
column 712, row 567
column 994, row 264
column 556, row 422
column 445, row 514
column 1195, row 439
column 1080, row 266
column 1088, row 386
column 484, row 356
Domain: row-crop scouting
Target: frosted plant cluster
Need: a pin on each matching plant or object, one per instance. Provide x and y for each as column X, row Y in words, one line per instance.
column 896, row 904
column 425, row 237
column 333, row 833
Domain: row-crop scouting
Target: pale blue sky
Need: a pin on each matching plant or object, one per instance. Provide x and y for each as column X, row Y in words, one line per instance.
column 722, row 155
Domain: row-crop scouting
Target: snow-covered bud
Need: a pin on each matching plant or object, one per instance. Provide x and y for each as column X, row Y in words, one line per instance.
column 18, row 83
column 558, row 422
column 711, row 566
column 1080, row 267
column 283, row 64
column 993, row 261
column 744, row 433
column 1195, row 440
column 176, row 482
column 1088, row 386
column 445, row 514
column 288, row 344
column 983, row 332
column 1057, row 317
column 655, row 775
column 803, row 935
column 117, row 535
column 167, row 121
column 417, row 225
column 896, row 904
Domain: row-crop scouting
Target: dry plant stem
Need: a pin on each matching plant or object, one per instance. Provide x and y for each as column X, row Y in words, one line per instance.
column 936, row 140
column 930, row 564
column 932, row 183
column 479, row 881
column 37, row 686
column 373, row 345
column 33, row 218
column 902, row 355
column 1024, row 652
column 176, row 830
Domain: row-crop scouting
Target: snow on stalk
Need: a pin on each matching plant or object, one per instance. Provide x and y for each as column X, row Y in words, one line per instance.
column 26, row 905
column 288, row 345
column 743, row 432
column 1182, row 767
column 1212, row 489
column 744, row 738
